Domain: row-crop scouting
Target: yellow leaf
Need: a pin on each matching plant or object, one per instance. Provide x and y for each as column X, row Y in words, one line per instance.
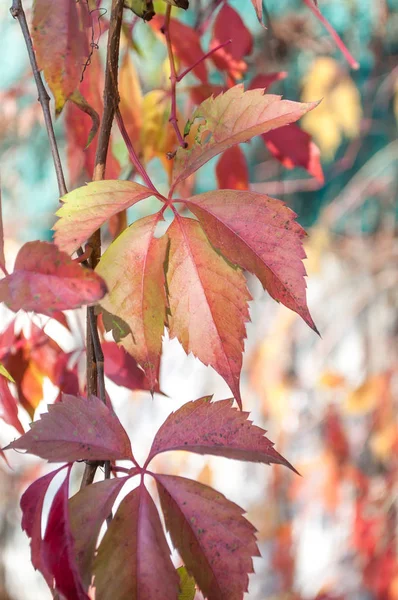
column 157, row 134
column 340, row 112
column 5, row 373
column 383, row 441
column 187, row 585
column 331, row 379
column 130, row 99
column 365, row 398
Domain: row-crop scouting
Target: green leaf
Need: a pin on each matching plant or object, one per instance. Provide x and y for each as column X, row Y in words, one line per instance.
column 187, row 585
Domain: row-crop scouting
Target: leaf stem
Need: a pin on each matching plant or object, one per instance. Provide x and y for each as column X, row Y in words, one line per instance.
column 173, row 78
column 204, row 57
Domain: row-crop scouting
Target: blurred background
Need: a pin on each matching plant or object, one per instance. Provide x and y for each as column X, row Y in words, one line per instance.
column 330, row 404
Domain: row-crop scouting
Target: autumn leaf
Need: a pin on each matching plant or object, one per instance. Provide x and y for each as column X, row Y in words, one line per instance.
column 142, row 557
column 76, row 429
column 208, row 301
column 130, row 98
column 122, row 368
column 133, row 269
column 231, row 170
column 229, row 26
column 58, row 548
column 32, row 507
column 265, row 80
column 261, row 235
column 232, row 118
column 186, row 44
column 6, row 374
column 187, row 585
column 157, row 134
column 47, row 280
column 87, row 208
column 215, row 428
column 294, row 147
column 61, row 46
column 86, row 523
column 215, row 542
column 8, row 405
column 258, row 7
column 116, row 325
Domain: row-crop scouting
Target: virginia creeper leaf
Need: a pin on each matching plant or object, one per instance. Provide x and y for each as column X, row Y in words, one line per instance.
column 231, row 170
column 132, row 266
column 8, row 405
column 58, row 550
column 61, row 46
column 76, row 429
column 47, row 280
column 232, row 118
column 135, row 548
column 186, row 44
column 259, row 234
column 87, row 208
column 86, row 523
column 229, row 26
column 122, row 368
column 215, row 428
column 208, row 301
column 294, row 147
column 32, row 506
column 215, row 542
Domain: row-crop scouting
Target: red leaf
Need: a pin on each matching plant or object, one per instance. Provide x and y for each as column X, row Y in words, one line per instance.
column 47, row 280
column 231, row 170
column 337, row 39
column 135, row 548
column 76, row 429
column 32, row 506
column 259, row 234
column 200, row 93
column 8, row 406
column 122, row 368
column 208, row 302
column 229, row 26
column 58, row 548
column 215, row 428
column 61, row 46
column 233, row 118
column 133, row 268
column 266, row 80
column 78, row 129
column 215, row 542
column 85, row 523
column 87, row 208
column 294, row 147
column 186, row 44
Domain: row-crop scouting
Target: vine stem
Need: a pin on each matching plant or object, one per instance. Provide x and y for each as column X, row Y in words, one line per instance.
column 95, row 366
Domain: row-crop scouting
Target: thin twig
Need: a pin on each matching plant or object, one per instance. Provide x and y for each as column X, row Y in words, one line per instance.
column 201, row 59
column 95, row 368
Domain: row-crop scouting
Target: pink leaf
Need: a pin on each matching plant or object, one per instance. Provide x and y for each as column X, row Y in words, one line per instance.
column 208, row 302
column 133, row 268
column 122, row 368
column 215, row 428
column 86, row 523
column 85, row 209
column 32, row 507
column 215, row 542
column 231, row 170
column 47, row 280
column 58, row 548
column 135, row 548
column 259, row 234
column 8, row 406
column 294, row 147
column 265, row 80
column 233, row 118
column 76, row 429
column 337, row 39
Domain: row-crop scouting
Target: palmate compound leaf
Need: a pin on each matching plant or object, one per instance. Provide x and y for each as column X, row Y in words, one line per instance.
column 259, row 234
column 216, row 428
column 132, row 266
column 232, row 118
column 86, row 523
column 214, row 540
column 136, row 565
column 76, row 429
column 86, row 209
column 47, row 280
column 208, row 301
column 61, row 45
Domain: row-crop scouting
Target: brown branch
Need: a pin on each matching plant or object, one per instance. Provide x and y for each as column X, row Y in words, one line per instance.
column 95, row 361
